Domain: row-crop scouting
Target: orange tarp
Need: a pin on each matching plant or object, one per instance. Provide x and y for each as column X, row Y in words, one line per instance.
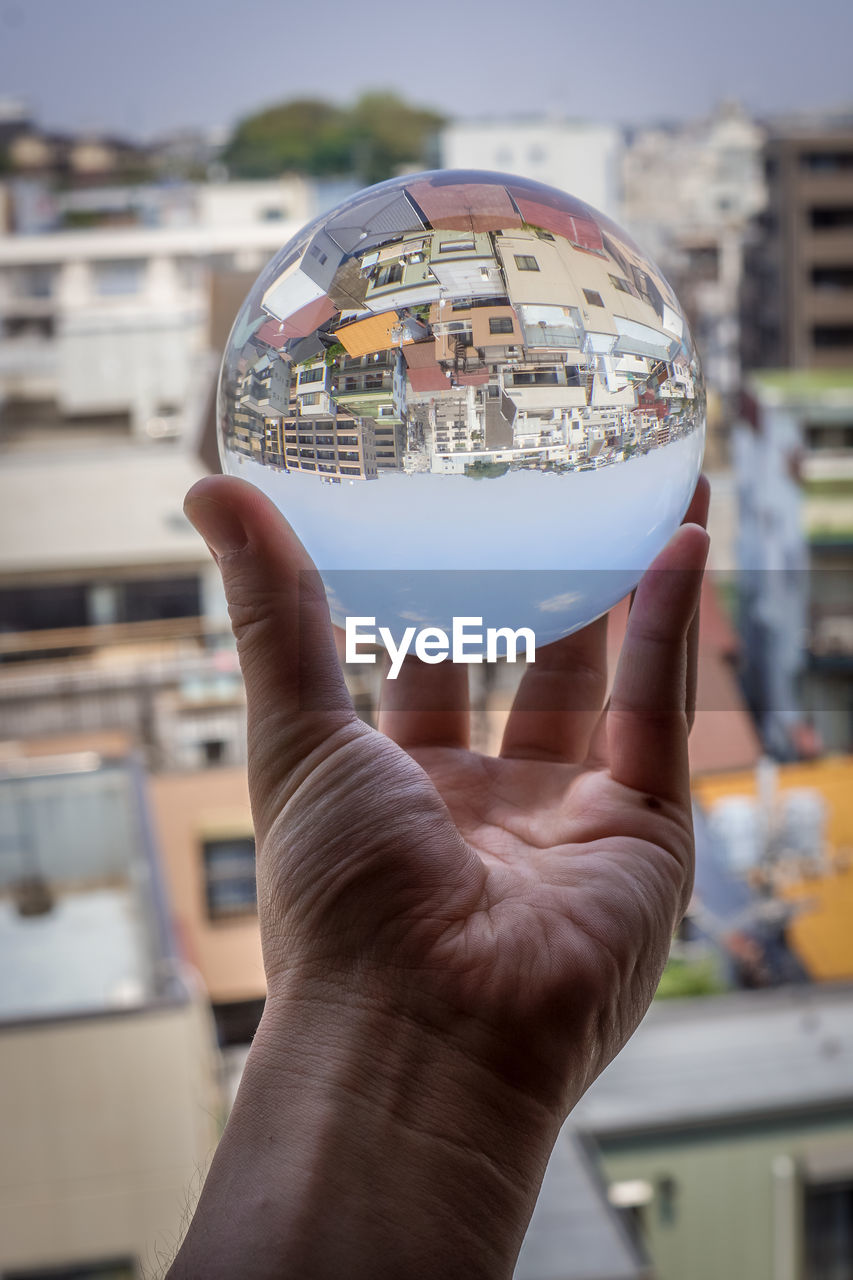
column 363, row 337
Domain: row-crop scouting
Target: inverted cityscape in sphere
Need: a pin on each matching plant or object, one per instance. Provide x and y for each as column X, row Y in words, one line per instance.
column 470, row 394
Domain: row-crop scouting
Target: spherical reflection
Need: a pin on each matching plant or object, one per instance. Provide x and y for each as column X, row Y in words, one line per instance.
column 470, row 394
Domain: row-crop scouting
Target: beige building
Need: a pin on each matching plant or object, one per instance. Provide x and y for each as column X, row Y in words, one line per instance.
column 333, row 447
column 206, row 843
column 110, row 1106
column 798, row 290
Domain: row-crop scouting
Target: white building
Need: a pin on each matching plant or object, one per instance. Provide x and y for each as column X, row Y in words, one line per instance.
column 689, row 193
column 113, row 321
column 581, row 157
column 108, row 1110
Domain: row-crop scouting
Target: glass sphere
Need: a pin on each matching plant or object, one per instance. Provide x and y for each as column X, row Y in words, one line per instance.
column 471, row 395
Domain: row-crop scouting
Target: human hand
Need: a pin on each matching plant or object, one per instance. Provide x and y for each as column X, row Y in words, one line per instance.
column 499, row 925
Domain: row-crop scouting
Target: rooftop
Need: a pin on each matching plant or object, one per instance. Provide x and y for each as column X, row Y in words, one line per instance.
column 706, row 1061
column 82, row 924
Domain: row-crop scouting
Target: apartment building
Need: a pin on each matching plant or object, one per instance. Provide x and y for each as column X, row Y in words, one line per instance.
column 111, row 1105
column 111, row 321
column 578, row 156
column 112, row 610
column 724, row 1131
column 797, row 308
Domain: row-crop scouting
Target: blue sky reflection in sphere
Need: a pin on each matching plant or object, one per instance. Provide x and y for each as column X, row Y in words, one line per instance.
column 476, row 380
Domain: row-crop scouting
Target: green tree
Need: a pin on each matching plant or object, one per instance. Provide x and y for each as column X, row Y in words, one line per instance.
column 388, row 134
column 304, row 136
column 372, row 140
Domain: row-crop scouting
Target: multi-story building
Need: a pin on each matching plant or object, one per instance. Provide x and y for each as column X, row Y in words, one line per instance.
column 798, row 289
column 581, row 157
column 689, row 195
column 112, row 609
column 112, row 321
column 334, row 446
column 110, row 1106
column 724, row 1130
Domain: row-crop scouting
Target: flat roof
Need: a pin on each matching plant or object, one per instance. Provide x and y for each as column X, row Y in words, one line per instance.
column 83, row 928
column 748, row 1055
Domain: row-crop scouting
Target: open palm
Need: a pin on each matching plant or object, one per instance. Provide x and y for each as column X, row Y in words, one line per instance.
column 523, row 903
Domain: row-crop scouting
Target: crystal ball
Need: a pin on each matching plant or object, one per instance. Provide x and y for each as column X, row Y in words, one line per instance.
column 471, row 395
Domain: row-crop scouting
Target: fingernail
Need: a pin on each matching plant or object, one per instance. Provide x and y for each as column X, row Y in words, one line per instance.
column 220, row 528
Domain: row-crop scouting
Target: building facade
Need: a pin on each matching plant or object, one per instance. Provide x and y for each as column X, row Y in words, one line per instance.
column 797, row 308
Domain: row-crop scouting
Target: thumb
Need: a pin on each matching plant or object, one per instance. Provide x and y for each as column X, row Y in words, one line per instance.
column 297, row 699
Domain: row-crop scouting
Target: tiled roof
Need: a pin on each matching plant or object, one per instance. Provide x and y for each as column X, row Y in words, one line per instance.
column 465, row 206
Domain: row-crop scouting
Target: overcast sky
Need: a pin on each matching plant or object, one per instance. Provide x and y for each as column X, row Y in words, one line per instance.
column 153, row 66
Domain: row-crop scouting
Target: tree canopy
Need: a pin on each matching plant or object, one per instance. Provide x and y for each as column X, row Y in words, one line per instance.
column 373, row 139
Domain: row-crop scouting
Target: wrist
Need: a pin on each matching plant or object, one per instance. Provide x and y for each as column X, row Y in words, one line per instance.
column 371, row 1143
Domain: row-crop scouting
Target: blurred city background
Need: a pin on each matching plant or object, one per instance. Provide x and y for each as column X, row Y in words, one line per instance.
column 151, row 162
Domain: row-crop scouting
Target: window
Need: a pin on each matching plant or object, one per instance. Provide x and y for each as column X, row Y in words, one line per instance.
column 213, row 751
column 36, row 281
column 703, row 262
column 388, row 275
column 832, row 278
column 543, row 235
column 827, row 161
column 535, row 378
column 311, row 375
column 593, row 298
column 831, row 217
column 119, row 277
column 500, row 324
column 620, row 284
column 829, row 437
column 229, row 877
column 526, row 262
column 832, row 336
column 829, row 1231
column 119, row 1269
column 148, row 600
column 311, row 397
column 456, row 246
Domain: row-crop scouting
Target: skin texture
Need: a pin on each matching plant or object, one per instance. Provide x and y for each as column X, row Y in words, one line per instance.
column 455, row 945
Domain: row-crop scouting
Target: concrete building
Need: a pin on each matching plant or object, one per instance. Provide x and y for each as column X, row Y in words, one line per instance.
column 112, row 610
column 110, row 1102
column 798, row 289
column 577, row 156
column 113, row 321
column 689, row 195
column 725, row 1131
column 205, row 838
